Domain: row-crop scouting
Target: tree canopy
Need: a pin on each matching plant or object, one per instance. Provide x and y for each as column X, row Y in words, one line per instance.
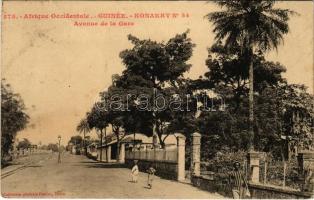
column 151, row 69
column 13, row 116
column 24, row 144
column 76, row 140
column 253, row 26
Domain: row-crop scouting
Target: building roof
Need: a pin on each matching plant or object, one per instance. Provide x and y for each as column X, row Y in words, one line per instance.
column 139, row 137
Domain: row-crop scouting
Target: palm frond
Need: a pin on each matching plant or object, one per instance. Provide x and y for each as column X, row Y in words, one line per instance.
column 250, row 22
column 83, row 126
column 283, row 14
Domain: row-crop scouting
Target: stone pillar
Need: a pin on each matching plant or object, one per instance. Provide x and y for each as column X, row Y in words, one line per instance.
column 253, row 163
column 108, row 153
column 98, row 154
column 306, row 170
column 103, row 153
column 15, row 151
column 196, row 154
column 122, row 153
column 181, row 158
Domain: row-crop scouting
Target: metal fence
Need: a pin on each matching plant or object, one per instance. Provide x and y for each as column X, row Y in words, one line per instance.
column 272, row 171
column 280, row 173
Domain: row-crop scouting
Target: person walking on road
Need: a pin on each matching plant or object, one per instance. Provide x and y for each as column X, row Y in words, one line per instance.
column 151, row 172
column 238, row 182
column 134, row 172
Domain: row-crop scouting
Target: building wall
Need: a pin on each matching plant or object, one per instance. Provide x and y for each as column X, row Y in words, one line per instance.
column 164, row 169
column 165, row 161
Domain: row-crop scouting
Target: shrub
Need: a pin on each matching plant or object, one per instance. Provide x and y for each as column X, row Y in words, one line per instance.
column 223, row 161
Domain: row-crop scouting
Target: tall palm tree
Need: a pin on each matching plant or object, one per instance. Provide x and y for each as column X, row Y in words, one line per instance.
column 254, row 25
column 83, row 127
column 97, row 119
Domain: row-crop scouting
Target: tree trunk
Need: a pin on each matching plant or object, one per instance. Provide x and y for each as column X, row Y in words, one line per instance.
column 159, row 133
column 162, row 143
column 100, row 145
column 118, row 150
column 134, row 140
column 163, row 140
column 251, row 104
column 106, row 143
column 84, row 144
column 118, row 143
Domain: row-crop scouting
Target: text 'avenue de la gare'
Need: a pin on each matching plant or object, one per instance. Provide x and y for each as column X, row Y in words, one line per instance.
column 104, row 23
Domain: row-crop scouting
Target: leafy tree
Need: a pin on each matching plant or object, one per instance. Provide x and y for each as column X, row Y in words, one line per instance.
column 252, row 25
column 183, row 120
column 284, row 114
column 298, row 115
column 121, row 113
column 229, row 79
column 24, row 144
column 151, row 67
column 223, row 129
column 77, row 140
column 44, row 147
column 226, row 69
column 53, row 147
column 273, row 95
column 276, row 108
column 13, row 117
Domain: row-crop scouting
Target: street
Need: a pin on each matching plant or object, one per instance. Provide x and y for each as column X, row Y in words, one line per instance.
column 80, row 177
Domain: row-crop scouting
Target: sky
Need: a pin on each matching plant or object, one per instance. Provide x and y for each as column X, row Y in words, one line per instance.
column 59, row 69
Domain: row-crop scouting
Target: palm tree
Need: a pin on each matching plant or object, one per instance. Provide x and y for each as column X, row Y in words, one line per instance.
column 255, row 25
column 97, row 119
column 83, row 127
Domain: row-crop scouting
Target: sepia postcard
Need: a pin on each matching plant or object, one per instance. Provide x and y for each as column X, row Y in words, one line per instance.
column 157, row 99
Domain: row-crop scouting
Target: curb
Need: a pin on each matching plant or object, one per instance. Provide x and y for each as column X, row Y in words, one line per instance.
column 6, row 174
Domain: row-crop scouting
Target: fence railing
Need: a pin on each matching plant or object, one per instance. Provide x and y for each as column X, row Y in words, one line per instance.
column 26, row 152
column 152, row 154
column 271, row 172
column 280, row 173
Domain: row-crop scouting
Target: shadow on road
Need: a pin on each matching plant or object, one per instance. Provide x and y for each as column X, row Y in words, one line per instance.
column 105, row 165
column 89, row 162
column 4, row 165
column 34, row 166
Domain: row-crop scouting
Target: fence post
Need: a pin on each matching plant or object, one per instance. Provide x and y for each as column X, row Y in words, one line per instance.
column 196, row 154
column 108, row 153
column 306, row 169
column 265, row 171
column 103, row 153
column 284, row 174
column 122, row 153
column 254, row 163
column 181, row 157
